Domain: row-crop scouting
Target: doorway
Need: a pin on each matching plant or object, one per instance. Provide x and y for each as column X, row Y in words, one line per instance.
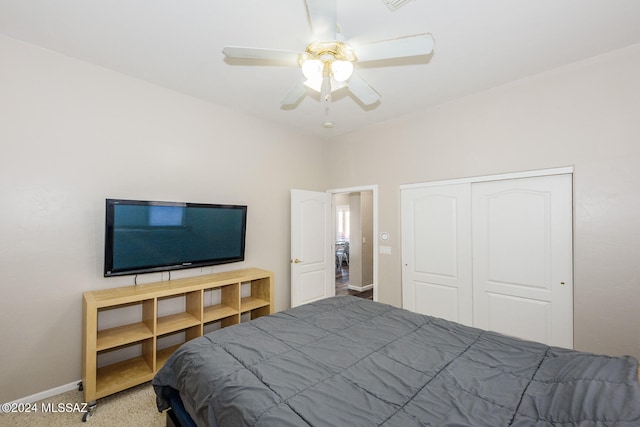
column 355, row 228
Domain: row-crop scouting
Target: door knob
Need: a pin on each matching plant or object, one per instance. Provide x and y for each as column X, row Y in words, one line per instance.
column 296, row 261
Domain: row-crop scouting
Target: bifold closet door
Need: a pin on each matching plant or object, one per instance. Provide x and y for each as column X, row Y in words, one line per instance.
column 436, row 251
column 522, row 258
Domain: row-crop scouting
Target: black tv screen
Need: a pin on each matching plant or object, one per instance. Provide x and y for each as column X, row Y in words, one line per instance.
column 145, row 236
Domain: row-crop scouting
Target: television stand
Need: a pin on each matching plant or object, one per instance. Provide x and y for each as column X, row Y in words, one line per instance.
column 144, row 337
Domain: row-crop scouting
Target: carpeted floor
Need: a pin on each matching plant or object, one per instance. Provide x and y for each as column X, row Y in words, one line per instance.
column 135, row 407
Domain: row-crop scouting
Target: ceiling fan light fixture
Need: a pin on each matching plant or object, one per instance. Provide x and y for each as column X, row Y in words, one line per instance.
column 341, row 70
column 312, row 69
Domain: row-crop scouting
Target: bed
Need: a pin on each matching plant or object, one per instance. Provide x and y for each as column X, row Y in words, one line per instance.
column 347, row 361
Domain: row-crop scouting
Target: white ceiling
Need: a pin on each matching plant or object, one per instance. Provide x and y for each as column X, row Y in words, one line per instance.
column 177, row 44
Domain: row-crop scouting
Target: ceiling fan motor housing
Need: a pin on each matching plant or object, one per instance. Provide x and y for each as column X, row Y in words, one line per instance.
column 332, row 58
column 338, row 50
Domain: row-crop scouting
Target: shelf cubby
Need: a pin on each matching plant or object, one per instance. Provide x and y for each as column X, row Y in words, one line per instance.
column 191, row 316
column 126, row 372
column 142, row 328
column 167, row 344
column 227, row 310
column 259, row 302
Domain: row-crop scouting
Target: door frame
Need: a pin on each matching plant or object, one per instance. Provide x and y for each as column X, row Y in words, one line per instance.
column 374, row 190
column 497, row 177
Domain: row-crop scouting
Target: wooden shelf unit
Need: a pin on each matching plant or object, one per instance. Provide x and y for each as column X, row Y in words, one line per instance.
column 141, row 336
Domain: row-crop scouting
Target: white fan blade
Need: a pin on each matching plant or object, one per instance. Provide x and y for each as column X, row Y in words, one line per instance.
column 260, row 53
column 324, row 18
column 294, row 95
column 361, row 90
column 420, row 44
column 316, row 85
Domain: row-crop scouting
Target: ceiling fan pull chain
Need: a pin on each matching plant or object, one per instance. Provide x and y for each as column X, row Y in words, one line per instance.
column 325, row 93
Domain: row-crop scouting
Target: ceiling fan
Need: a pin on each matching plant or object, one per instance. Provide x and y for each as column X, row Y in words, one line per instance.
column 327, row 62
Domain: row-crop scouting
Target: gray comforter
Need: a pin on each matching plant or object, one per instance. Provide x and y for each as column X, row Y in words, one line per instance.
column 346, row 361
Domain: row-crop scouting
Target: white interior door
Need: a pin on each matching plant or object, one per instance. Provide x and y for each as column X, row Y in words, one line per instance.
column 522, row 258
column 312, row 263
column 436, row 251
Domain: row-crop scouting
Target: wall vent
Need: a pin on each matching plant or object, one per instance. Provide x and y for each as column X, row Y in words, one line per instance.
column 395, row 4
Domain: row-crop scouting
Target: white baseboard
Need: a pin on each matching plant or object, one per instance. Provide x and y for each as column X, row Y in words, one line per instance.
column 48, row 393
column 360, row 288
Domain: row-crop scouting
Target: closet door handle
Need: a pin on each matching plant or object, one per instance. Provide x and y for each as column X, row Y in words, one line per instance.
column 296, row 261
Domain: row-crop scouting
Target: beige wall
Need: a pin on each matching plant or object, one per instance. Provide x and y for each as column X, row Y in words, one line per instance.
column 355, row 240
column 586, row 115
column 72, row 135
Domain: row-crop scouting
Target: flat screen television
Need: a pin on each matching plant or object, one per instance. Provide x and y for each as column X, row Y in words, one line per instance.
column 146, row 236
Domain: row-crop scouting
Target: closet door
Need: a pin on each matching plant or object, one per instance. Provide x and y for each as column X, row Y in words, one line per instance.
column 522, row 258
column 436, row 251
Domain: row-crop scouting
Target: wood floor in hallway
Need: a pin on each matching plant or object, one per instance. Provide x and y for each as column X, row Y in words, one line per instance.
column 342, row 283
